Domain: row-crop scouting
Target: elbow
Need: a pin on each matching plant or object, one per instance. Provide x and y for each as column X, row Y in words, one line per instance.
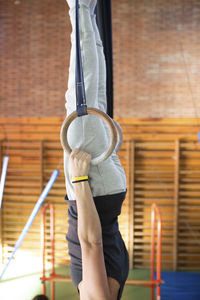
column 90, row 242
column 90, row 238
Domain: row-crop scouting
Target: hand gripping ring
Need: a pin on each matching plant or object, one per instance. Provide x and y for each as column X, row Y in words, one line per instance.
column 109, row 122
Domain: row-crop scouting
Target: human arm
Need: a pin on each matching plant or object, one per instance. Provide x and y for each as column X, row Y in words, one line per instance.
column 89, row 226
column 95, row 282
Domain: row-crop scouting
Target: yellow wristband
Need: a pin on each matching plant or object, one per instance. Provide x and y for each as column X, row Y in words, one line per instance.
column 79, row 178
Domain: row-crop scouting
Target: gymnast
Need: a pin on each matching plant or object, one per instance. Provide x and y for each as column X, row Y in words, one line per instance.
column 99, row 260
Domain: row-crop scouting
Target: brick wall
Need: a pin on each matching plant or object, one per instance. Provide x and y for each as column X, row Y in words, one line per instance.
column 156, row 57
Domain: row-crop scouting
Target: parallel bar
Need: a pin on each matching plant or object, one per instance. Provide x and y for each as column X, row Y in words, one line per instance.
column 2, row 185
column 159, row 247
column 152, row 249
column 131, row 174
column 43, row 242
column 1, row 239
column 147, row 283
column 31, row 218
column 155, row 210
column 176, row 204
column 43, row 246
column 1, row 218
column 41, row 164
column 57, row 279
column 3, row 177
column 52, row 229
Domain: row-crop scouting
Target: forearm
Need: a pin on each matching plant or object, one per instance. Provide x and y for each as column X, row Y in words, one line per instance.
column 89, row 226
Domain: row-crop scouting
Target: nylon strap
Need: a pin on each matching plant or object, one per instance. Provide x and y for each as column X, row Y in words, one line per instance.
column 81, row 106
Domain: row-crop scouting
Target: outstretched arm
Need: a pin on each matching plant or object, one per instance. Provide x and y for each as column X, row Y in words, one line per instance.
column 95, row 282
column 89, row 227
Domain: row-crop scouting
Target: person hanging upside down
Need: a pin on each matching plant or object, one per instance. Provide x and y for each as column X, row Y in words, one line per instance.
column 99, row 260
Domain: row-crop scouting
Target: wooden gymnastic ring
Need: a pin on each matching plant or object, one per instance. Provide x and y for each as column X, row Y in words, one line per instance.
column 119, row 136
column 109, row 122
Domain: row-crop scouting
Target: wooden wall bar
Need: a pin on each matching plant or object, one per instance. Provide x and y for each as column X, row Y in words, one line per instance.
column 161, row 158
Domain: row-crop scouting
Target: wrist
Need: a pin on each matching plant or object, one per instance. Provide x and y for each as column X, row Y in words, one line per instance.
column 80, row 188
column 77, row 179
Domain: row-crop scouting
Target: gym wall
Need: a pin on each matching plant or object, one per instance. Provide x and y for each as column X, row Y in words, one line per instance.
column 156, row 58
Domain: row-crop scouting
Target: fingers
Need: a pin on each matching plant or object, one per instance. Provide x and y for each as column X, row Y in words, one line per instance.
column 76, row 153
column 79, row 163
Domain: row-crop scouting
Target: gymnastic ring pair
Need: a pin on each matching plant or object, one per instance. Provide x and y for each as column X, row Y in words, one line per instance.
column 116, row 135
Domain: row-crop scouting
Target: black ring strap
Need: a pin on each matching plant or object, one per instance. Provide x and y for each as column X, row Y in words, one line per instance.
column 81, row 106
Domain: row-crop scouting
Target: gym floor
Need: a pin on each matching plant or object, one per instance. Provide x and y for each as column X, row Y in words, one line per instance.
column 177, row 285
column 27, row 286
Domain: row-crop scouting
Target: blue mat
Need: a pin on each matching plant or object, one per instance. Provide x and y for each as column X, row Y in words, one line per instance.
column 180, row 286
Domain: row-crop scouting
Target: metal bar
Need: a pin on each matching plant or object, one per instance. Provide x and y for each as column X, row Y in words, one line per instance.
column 52, row 227
column 43, row 251
column 41, row 164
column 1, row 239
column 152, row 248
column 147, row 283
column 52, row 290
column 3, row 177
column 159, row 249
column 1, row 218
column 31, row 218
column 176, row 203
column 52, row 233
column 131, row 174
column 156, row 210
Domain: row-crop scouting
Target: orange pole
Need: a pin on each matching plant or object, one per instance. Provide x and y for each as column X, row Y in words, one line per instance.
column 43, row 241
column 43, row 250
column 152, row 250
column 52, row 226
column 155, row 210
column 159, row 246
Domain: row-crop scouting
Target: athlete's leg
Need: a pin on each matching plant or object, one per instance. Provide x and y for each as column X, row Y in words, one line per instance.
column 89, row 58
column 102, row 97
column 102, row 100
column 88, row 133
